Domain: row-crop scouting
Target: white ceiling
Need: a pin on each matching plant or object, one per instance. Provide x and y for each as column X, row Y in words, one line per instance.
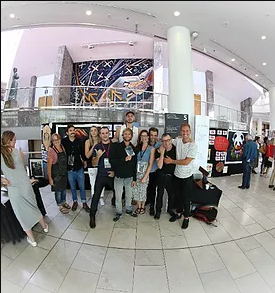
column 227, row 29
column 37, row 53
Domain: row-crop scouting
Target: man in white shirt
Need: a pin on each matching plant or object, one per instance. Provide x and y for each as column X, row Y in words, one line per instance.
column 186, row 151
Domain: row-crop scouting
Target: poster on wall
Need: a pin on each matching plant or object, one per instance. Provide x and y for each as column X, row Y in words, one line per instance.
column 236, row 143
column 120, row 82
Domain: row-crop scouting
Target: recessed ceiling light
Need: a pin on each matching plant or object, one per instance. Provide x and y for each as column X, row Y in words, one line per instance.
column 232, row 59
column 263, row 37
column 256, row 75
column 264, row 63
column 12, row 15
column 89, row 12
column 177, row 13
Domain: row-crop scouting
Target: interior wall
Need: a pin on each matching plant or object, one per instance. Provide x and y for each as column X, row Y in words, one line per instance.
column 46, row 80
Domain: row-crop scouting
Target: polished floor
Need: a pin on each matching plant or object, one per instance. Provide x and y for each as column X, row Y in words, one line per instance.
column 145, row 255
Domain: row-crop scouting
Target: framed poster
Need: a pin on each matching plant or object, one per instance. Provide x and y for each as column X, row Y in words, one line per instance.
column 236, row 143
column 36, row 167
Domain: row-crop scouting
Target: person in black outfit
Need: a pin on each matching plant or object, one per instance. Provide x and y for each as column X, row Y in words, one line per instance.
column 105, row 175
column 165, row 174
column 75, row 162
column 123, row 159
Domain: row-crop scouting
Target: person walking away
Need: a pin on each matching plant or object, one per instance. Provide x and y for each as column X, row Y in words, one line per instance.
column 263, row 151
column 19, row 187
column 272, row 178
column 249, row 155
column 269, row 157
column 256, row 163
column 57, row 172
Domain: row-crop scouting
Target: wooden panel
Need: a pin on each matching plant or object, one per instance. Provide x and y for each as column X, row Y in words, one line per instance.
column 197, row 104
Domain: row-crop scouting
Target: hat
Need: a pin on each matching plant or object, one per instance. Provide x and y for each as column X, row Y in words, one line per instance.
column 130, row 112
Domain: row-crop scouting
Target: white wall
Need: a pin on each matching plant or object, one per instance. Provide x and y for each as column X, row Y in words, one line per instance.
column 46, row 80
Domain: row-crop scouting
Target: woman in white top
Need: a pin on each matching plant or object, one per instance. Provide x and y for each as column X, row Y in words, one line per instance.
column 93, row 140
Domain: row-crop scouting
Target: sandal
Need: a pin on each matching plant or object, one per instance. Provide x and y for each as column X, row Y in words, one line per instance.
column 142, row 211
column 66, row 206
column 138, row 210
column 63, row 210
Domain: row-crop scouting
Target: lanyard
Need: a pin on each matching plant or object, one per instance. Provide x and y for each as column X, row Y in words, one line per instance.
column 108, row 150
column 142, row 153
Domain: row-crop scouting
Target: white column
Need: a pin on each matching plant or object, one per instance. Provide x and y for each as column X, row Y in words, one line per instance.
column 181, row 89
column 259, row 126
column 272, row 108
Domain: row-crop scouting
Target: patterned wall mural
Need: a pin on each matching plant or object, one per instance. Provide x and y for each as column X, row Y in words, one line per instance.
column 126, row 80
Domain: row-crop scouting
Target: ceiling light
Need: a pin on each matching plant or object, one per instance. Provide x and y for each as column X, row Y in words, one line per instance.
column 264, row 63
column 177, row 13
column 256, row 75
column 89, row 12
column 12, row 15
column 263, row 37
column 232, row 59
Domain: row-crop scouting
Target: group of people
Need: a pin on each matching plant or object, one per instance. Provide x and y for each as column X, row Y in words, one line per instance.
column 136, row 165
column 251, row 156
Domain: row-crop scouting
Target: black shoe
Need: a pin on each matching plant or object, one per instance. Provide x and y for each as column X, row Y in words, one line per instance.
column 270, row 186
column 85, row 207
column 113, row 201
column 254, row 172
column 185, row 223
column 247, row 187
column 92, row 221
column 175, row 218
column 171, row 213
column 274, row 188
column 152, row 211
column 241, row 187
column 157, row 216
column 130, row 213
column 117, row 217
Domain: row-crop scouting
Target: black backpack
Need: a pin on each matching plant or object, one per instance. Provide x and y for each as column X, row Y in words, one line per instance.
column 207, row 214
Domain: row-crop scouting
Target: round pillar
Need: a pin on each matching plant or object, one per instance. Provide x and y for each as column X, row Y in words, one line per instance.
column 272, row 108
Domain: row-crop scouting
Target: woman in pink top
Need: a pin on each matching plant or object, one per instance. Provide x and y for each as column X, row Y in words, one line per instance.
column 57, row 172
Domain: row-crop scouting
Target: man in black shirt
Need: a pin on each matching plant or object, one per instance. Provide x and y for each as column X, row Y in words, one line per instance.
column 165, row 174
column 123, row 160
column 105, row 175
column 75, row 162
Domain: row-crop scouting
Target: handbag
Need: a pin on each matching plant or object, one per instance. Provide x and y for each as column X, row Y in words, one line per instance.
column 270, row 159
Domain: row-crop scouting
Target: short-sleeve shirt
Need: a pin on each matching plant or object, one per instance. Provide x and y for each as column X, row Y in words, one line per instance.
column 167, row 168
column 101, row 168
column 183, row 151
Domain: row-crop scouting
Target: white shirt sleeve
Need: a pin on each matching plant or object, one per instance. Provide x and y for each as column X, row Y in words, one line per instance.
column 192, row 151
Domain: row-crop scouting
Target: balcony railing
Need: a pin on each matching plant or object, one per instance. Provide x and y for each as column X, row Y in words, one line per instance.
column 74, row 97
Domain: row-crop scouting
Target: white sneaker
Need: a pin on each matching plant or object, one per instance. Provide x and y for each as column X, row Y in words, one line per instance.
column 32, row 243
column 101, row 200
column 46, row 230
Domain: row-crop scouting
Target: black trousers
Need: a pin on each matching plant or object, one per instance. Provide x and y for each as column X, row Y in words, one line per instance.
column 183, row 192
column 100, row 183
column 151, row 189
column 165, row 181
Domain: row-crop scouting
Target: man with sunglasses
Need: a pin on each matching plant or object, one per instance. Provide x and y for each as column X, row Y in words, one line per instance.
column 165, row 174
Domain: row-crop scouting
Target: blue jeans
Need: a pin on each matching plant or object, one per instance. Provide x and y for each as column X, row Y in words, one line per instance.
column 78, row 176
column 118, row 185
column 60, row 197
column 247, row 169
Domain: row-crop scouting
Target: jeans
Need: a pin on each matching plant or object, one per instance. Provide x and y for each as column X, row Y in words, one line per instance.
column 151, row 189
column 118, row 184
column 45, row 170
column 247, row 169
column 100, row 183
column 165, row 181
column 92, row 175
column 78, row 176
column 272, row 178
column 183, row 192
column 60, row 197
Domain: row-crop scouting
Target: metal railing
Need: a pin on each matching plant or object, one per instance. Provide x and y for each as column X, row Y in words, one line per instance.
column 91, row 97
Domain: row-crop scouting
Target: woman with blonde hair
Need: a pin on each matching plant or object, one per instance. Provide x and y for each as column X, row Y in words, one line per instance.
column 93, row 140
column 269, row 158
column 19, row 186
column 57, row 172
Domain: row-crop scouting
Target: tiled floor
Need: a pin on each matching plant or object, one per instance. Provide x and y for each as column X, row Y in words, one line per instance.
column 145, row 255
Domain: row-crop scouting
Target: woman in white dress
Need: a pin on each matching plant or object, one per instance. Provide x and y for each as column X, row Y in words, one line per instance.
column 19, row 186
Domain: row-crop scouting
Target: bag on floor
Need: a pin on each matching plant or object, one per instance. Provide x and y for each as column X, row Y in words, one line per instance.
column 207, row 214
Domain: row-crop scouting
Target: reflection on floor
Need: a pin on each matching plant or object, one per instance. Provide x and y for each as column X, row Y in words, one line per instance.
column 145, row 255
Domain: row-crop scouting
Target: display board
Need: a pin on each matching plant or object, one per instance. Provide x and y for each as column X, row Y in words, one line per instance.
column 173, row 122
column 202, row 139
